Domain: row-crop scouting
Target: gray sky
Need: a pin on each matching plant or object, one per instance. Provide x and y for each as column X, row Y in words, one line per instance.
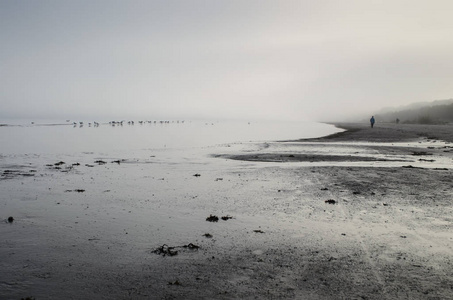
column 246, row 59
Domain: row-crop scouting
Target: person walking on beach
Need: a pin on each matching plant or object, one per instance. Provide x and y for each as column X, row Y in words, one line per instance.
column 372, row 121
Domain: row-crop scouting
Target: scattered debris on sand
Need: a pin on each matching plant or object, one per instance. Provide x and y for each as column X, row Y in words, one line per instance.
column 196, row 175
column 100, row 162
column 227, row 217
column 207, row 235
column 76, row 190
column 165, row 250
column 258, row 231
column 191, row 246
column 330, row 201
column 212, row 218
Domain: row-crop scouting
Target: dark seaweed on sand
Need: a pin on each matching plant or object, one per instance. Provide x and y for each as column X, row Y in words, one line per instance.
column 212, row 218
column 165, row 250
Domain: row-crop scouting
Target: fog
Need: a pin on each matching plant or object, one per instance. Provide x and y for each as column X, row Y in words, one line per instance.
column 288, row 60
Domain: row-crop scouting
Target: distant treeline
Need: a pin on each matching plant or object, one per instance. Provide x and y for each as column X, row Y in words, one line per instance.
column 438, row 114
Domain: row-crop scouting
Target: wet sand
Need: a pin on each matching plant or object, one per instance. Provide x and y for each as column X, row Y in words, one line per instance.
column 390, row 132
column 388, row 234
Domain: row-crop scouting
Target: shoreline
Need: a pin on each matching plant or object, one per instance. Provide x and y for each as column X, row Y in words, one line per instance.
column 388, row 132
column 354, row 226
column 412, row 145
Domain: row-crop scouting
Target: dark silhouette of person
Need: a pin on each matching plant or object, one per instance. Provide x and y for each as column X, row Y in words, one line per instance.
column 372, row 121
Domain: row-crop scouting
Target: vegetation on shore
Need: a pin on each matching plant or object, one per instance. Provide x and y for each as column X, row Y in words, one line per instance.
column 437, row 112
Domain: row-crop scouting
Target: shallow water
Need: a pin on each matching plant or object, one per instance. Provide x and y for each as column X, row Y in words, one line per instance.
column 63, row 137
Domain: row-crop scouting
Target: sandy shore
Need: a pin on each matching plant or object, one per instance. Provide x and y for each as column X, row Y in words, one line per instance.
column 387, row 235
column 389, row 132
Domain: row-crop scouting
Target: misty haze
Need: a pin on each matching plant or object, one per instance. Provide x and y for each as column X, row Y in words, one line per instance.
column 226, row 149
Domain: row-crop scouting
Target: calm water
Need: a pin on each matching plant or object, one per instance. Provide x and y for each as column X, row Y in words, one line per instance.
column 23, row 137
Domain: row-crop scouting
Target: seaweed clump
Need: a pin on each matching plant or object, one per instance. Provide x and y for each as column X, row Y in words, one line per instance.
column 166, row 250
column 212, row 218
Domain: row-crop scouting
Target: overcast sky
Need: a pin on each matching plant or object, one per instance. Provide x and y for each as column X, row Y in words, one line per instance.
column 279, row 59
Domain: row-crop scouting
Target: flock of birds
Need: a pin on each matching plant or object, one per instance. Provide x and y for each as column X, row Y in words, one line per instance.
column 120, row 123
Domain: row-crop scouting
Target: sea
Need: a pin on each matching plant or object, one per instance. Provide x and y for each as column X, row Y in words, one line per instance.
column 73, row 136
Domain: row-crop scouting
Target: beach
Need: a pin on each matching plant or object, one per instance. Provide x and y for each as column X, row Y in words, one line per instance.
column 361, row 214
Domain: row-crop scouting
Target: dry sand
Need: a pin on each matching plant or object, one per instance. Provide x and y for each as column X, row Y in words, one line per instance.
column 388, row 234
